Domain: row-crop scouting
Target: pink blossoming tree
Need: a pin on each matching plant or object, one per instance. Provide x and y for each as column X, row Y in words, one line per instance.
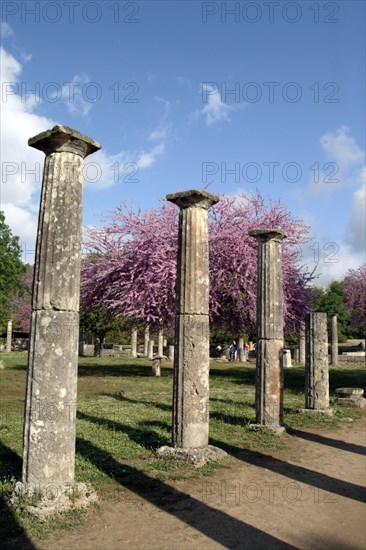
column 355, row 290
column 130, row 267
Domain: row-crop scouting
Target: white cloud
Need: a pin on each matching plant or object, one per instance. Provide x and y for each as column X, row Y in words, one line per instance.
column 21, row 169
column 341, row 147
column 23, row 224
column 356, row 230
column 5, row 29
column 22, row 166
column 183, row 81
column 215, row 110
column 334, row 264
column 79, row 95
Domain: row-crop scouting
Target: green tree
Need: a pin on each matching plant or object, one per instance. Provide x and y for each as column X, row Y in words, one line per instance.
column 11, row 269
column 99, row 322
column 332, row 301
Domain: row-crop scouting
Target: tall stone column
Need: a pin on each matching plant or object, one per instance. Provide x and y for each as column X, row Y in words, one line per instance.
column 316, row 365
column 50, row 409
column 269, row 370
column 302, row 344
column 160, row 342
column 171, row 353
column 150, row 354
column 9, row 333
column 146, row 340
column 191, row 357
column 134, row 342
column 334, row 341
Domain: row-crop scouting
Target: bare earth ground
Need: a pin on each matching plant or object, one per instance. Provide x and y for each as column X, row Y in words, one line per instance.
column 310, row 496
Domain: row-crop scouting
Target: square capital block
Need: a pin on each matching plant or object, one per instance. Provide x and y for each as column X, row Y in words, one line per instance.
column 193, row 198
column 63, row 139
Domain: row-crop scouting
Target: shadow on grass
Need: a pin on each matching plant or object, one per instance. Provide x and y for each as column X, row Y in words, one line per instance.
column 238, row 375
column 296, row 473
column 146, row 438
column 343, row 445
column 107, row 369
column 120, row 397
column 338, row 377
column 234, row 420
column 215, row 524
column 12, row 534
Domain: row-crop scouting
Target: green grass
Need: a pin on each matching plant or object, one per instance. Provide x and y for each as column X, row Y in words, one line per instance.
column 124, row 415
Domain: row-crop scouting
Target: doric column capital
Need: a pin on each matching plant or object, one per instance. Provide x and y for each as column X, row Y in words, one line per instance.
column 193, row 198
column 264, row 235
column 62, row 139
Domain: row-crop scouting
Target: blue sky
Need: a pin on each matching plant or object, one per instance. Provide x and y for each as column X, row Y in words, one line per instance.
column 179, row 94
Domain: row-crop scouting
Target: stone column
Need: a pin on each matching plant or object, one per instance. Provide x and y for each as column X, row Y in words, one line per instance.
column 191, row 361
column 160, row 341
column 241, row 350
column 146, row 341
column 302, row 344
column 334, row 342
column 151, row 349
column 9, row 333
column 134, row 342
column 50, row 410
column 171, row 353
column 316, row 364
column 269, row 370
column 296, row 355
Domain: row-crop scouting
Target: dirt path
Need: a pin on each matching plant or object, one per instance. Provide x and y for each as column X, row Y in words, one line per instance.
column 309, row 497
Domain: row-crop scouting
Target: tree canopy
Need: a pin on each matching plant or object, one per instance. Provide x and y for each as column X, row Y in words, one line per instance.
column 355, row 292
column 11, row 269
column 131, row 267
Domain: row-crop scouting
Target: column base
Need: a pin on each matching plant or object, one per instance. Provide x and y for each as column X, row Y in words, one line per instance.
column 277, row 430
column 198, row 456
column 328, row 412
column 43, row 500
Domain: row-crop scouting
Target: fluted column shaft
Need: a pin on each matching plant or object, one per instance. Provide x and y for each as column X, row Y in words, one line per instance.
column 302, row 344
column 50, row 410
column 191, row 357
column 9, row 333
column 160, row 342
column 316, row 365
column 134, row 342
column 269, row 370
column 334, row 341
column 146, row 340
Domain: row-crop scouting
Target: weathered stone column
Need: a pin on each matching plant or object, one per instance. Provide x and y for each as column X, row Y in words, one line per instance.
column 50, row 410
column 171, row 353
column 296, row 355
column 302, row 344
column 146, row 340
column 241, row 350
column 334, row 341
column 134, row 342
column 192, row 339
column 316, row 365
column 191, row 361
column 160, row 341
column 269, row 370
column 9, row 333
column 151, row 349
